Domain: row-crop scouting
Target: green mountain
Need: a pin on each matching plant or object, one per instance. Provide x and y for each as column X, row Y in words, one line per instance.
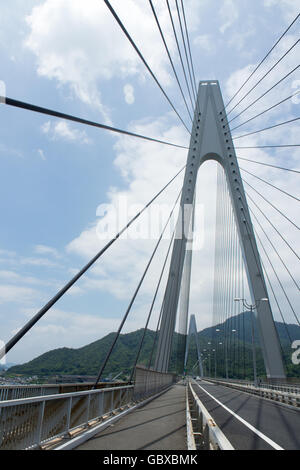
column 88, row 359
column 237, row 332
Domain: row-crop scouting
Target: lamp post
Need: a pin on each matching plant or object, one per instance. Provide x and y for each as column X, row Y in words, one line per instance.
column 225, row 351
column 209, row 358
column 215, row 354
column 204, row 367
column 252, row 307
column 194, row 366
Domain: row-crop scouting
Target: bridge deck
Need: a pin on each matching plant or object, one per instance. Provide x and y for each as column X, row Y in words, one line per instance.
column 253, row 423
column 159, row 425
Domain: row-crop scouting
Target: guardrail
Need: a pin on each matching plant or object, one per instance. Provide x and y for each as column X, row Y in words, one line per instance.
column 32, row 422
column 284, row 387
column 273, row 392
column 202, row 431
column 14, row 392
column 29, row 423
column 279, row 387
column 148, row 382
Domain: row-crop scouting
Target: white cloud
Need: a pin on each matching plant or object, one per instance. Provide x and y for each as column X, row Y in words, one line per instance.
column 229, row 13
column 43, row 249
column 289, row 8
column 238, row 77
column 79, row 44
column 129, row 93
column 39, row 262
column 8, row 253
column 195, row 14
column 42, row 154
column 11, row 275
column 46, row 127
column 8, row 151
column 145, row 168
column 205, row 42
column 239, row 40
column 23, row 280
column 12, row 20
column 63, row 130
column 287, row 181
column 16, row 294
column 63, row 328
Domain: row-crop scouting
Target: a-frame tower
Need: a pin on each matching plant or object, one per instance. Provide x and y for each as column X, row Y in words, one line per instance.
column 211, row 140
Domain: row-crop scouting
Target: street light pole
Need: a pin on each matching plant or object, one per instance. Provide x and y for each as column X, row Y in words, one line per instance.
column 226, row 360
column 253, row 347
column 215, row 354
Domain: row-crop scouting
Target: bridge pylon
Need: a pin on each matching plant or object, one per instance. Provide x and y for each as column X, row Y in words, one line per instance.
column 211, row 140
column 193, row 332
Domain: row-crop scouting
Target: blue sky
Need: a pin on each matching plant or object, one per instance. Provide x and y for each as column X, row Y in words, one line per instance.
column 71, row 56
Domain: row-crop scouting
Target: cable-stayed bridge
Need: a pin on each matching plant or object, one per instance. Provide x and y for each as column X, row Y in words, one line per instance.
column 228, row 406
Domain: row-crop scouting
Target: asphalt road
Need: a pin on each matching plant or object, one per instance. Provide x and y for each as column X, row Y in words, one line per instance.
column 158, row 425
column 267, row 425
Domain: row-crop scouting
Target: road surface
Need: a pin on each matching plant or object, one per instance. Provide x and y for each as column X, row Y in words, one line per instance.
column 159, row 425
column 250, row 422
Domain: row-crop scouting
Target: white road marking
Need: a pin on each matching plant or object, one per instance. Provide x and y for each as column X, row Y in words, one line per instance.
column 253, row 429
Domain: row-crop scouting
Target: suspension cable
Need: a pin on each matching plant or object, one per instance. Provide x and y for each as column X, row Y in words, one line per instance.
column 266, row 110
column 279, row 281
column 142, row 58
column 270, row 184
column 248, row 230
column 277, row 303
column 264, row 94
column 264, row 76
column 169, row 56
column 266, row 128
column 189, row 46
column 11, row 343
column 135, row 295
column 68, row 117
column 270, row 203
column 259, row 260
column 179, row 52
column 268, row 164
column 274, row 248
column 262, row 61
column 155, row 336
column 152, row 305
column 254, row 248
column 277, row 231
column 269, row 146
column 185, row 51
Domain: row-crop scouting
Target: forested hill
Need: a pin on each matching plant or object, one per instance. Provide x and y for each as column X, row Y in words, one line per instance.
column 88, row 359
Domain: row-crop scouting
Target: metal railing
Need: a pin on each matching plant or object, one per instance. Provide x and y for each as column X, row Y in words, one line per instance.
column 13, row 392
column 279, row 387
column 29, row 423
column 284, row 387
column 280, row 393
column 150, row 382
column 202, row 431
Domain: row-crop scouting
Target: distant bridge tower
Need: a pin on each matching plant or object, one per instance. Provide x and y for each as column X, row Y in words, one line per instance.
column 211, row 140
column 193, row 332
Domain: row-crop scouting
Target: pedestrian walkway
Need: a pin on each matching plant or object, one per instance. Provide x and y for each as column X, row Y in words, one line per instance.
column 159, row 425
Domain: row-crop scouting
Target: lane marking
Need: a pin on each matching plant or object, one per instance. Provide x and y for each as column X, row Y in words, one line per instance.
column 248, row 425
